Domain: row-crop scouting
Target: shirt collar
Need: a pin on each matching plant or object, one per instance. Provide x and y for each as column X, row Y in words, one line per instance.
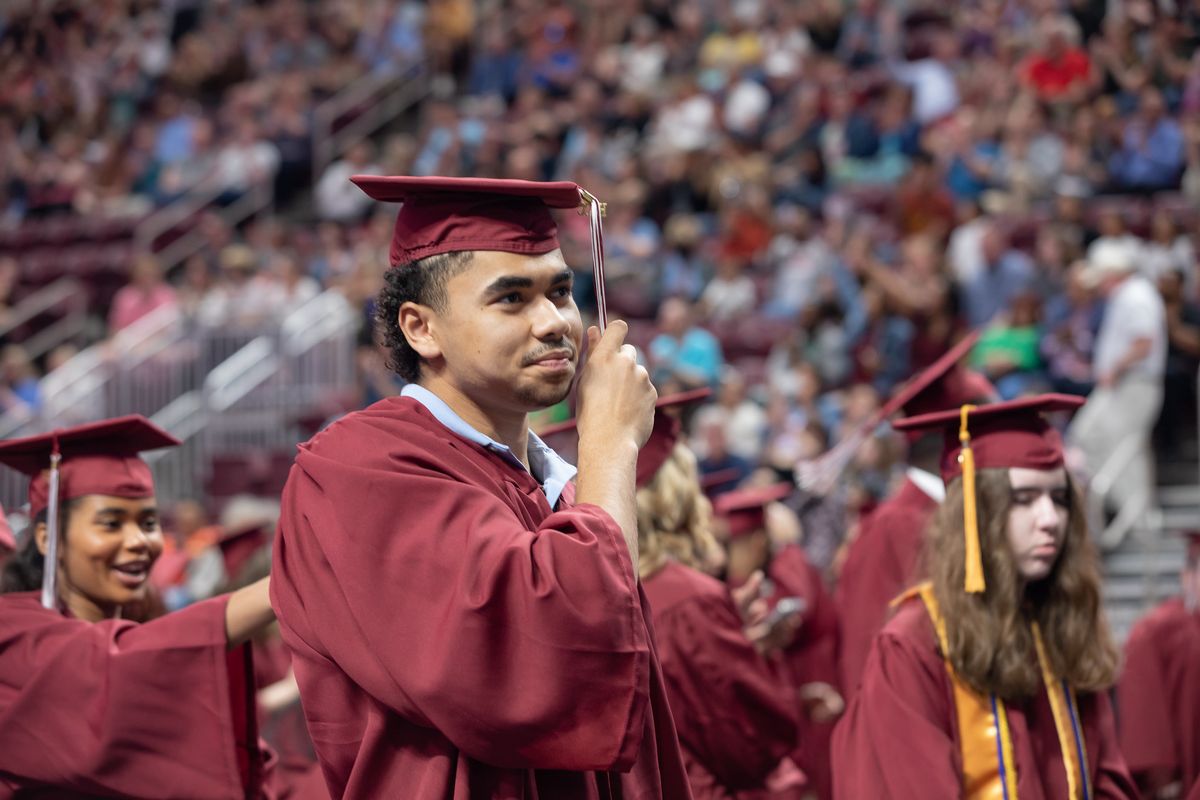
column 931, row 485
column 546, row 466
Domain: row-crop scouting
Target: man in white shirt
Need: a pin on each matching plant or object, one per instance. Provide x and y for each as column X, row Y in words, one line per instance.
column 1128, row 365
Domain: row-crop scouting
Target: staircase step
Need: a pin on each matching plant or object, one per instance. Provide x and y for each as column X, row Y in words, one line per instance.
column 1180, row 494
column 1138, row 593
column 1181, row 519
column 1168, row 560
column 1177, row 472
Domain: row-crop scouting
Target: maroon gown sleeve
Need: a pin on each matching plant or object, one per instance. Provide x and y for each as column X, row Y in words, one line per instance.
column 896, row 740
column 882, row 563
column 1145, row 704
column 120, row 709
column 523, row 645
column 1112, row 779
column 735, row 719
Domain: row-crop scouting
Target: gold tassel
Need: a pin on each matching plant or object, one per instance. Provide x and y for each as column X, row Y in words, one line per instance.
column 973, row 582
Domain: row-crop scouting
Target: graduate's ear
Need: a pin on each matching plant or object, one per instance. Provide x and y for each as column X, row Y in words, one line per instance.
column 417, row 324
column 39, row 534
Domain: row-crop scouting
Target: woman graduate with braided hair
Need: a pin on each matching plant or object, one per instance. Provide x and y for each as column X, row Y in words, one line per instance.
column 991, row 680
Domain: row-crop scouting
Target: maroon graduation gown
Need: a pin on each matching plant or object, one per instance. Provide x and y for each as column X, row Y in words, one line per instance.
column 735, row 719
column 455, row 637
column 880, row 564
column 899, row 738
column 158, row 710
column 1158, row 697
column 813, row 657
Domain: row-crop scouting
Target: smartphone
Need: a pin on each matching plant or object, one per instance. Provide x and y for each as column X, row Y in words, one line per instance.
column 786, row 608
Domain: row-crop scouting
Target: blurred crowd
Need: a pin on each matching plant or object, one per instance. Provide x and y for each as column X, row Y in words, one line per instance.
column 807, row 202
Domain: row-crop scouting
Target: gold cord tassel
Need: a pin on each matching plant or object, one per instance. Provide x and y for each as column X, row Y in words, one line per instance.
column 973, row 582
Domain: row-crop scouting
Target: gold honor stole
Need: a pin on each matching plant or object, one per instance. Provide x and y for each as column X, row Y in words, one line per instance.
column 989, row 769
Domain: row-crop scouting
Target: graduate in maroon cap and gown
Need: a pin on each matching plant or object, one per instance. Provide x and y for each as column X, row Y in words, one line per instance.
column 1158, row 697
column 465, row 620
column 882, row 561
column 808, row 655
column 94, row 704
column 992, row 679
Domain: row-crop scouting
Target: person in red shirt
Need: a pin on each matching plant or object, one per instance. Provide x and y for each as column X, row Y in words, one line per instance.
column 92, row 703
column 1058, row 70
column 462, row 606
column 1158, row 697
column 992, row 679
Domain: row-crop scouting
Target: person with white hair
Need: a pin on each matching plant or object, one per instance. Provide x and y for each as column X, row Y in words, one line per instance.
column 1128, row 364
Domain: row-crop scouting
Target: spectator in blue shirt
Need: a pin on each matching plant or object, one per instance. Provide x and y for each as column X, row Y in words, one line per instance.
column 1006, row 273
column 682, row 353
column 1152, row 151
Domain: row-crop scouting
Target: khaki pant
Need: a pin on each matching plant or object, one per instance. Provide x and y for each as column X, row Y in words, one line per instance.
column 1110, row 416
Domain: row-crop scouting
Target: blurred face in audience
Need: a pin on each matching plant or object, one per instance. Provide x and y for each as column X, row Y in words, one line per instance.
column 745, row 554
column 674, row 317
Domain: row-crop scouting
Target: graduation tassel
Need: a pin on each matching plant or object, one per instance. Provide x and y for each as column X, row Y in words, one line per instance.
column 50, row 569
column 595, row 211
column 973, row 583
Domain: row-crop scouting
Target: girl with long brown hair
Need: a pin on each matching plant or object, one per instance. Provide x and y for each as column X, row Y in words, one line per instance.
column 991, row 679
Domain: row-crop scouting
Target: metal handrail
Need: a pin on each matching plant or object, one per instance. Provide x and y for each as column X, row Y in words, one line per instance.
column 241, row 373
column 67, row 292
column 386, row 95
column 1134, row 510
column 258, row 198
column 159, row 222
column 315, row 321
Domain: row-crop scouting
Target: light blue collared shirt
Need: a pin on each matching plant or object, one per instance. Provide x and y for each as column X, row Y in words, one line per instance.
column 546, row 466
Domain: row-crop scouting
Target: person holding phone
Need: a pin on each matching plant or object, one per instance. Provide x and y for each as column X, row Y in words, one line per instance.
column 806, row 639
column 736, row 724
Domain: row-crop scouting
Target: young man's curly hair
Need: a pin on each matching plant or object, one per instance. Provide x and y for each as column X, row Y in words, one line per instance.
column 422, row 282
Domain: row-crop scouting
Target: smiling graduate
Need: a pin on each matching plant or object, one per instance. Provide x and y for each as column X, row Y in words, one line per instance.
column 91, row 702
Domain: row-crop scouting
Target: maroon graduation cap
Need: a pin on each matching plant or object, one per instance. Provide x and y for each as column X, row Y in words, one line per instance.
column 96, row 458
column 444, row 215
column 943, row 384
column 745, row 510
column 1009, row 434
column 239, row 543
column 663, row 435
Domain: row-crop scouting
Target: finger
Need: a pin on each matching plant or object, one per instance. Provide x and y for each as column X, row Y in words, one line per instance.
column 754, row 585
column 593, row 337
column 614, row 335
column 629, row 351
